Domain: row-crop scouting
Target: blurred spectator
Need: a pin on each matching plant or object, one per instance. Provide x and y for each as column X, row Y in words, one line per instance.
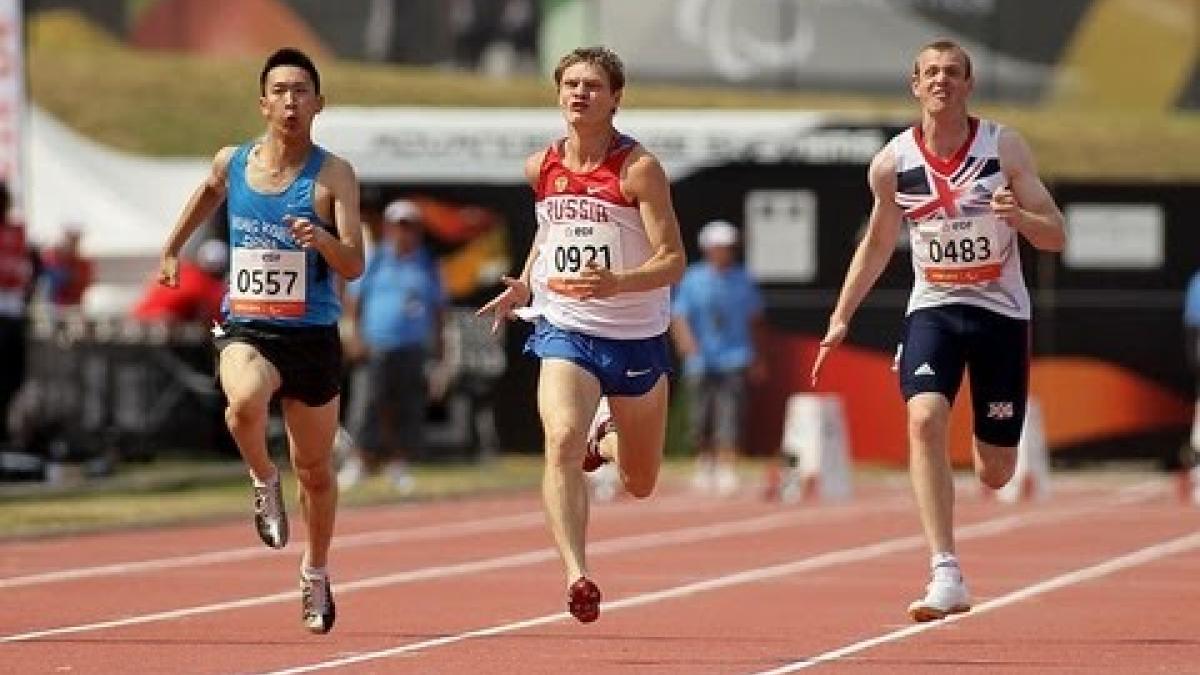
column 1191, row 329
column 717, row 315
column 398, row 313
column 66, row 273
column 18, row 267
column 199, row 294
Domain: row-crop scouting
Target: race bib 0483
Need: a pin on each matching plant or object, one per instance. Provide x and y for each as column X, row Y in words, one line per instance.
column 267, row 283
column 958, row 250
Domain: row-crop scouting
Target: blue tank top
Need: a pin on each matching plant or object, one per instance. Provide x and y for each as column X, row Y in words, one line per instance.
column 272, row 279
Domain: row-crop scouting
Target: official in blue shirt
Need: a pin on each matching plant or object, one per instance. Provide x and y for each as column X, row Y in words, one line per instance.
column 717, row 318
column 1191, row 332
column 398, row 311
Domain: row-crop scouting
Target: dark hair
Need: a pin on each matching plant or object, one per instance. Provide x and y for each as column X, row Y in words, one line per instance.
column 289, row 57
column 944, row 45
column 605, row 58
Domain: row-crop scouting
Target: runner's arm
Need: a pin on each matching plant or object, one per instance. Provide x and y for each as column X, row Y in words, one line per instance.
column 1027, row 205
column 647, row 183
column 343, row 252
column 877, row 245
column 517, row 292
column 200, row 206
column 871, row 256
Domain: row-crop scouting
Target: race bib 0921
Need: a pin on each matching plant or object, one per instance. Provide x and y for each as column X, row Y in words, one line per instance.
column 572, row 248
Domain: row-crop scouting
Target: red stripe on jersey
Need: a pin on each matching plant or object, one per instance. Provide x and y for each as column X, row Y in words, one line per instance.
column 603, row 182
column 948, row 166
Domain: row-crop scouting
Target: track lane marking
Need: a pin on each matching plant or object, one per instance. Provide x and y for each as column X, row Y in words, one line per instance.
column 373, row 538
column 689, row 534
column 1133, row 559
column 1125, row 496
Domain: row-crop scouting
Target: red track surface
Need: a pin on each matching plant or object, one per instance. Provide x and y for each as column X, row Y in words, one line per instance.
column 1100, row 578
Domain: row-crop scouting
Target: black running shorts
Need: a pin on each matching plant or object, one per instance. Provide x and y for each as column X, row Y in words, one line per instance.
column 308, row 358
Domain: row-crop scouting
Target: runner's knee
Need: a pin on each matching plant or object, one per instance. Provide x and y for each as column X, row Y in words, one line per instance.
column 640, row 486
column 564, row 445
column 996, row 465
column 927, row 424
column 315, row 475
column 244, row 413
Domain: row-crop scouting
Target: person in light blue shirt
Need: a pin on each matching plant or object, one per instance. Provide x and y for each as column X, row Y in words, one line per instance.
column 397, row 308
column 1191, row 334
column 717, row 318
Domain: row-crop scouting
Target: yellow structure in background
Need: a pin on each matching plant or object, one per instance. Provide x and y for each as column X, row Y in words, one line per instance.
column 1134, row 55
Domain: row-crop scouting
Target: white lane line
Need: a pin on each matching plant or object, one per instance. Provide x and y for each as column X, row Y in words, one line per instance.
column 608, row 546
column 671, row 504
column 496, row 524
column 1139, row 557
column 823, row 560
column 374, row 538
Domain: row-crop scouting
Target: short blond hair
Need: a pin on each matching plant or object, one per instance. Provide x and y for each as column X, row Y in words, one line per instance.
column 942, row 45
column 603, row 57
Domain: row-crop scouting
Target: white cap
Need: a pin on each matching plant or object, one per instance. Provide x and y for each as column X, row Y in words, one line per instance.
column 212, row 254
column 402, row 209
column 718, row 233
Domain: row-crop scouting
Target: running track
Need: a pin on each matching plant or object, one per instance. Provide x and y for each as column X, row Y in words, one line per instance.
column 1103, row 577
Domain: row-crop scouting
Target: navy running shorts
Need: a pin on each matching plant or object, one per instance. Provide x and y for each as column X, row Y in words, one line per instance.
column 939, row 343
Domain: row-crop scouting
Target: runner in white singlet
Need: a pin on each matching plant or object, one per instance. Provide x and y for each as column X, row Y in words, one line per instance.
column 606, row 252
column 964, row 188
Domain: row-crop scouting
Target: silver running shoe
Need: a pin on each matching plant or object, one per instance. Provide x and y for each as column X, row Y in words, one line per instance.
column 317, row 609
column 270, row 517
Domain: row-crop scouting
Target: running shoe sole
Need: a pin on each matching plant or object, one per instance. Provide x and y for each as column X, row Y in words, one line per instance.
column 925, row 613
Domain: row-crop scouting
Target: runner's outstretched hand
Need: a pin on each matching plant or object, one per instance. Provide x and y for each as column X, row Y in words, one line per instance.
column 515, row 295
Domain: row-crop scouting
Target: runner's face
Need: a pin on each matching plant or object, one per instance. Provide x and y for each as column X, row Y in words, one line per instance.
column 941, row 81
column 291, row 100
column 584, row 94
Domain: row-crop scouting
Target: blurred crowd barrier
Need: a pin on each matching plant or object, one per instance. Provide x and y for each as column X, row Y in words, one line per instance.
column 99, row 392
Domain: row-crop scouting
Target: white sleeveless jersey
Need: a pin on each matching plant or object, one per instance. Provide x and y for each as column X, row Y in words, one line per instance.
column 584, row 218
column 961, row 252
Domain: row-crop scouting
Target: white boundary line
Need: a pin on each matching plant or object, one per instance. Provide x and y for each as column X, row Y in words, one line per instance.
column 985, row 528
column 619, row 545
column 1133, row 559
column 415, row 533
column 514, row 521
column 495, row 524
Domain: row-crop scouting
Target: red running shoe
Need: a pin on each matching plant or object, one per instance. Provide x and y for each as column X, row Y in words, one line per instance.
column 583, row 600
column 592, row 459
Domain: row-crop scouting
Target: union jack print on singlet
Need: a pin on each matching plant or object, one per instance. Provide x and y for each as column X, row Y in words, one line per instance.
column 939, row 195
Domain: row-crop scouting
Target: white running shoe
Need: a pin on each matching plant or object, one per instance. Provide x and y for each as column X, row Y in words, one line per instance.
column 402, row 481
column 704, row 479
column 726, row 481
column 352, row 473
column 943, row 597
column 343, row 444
column 605, row 482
